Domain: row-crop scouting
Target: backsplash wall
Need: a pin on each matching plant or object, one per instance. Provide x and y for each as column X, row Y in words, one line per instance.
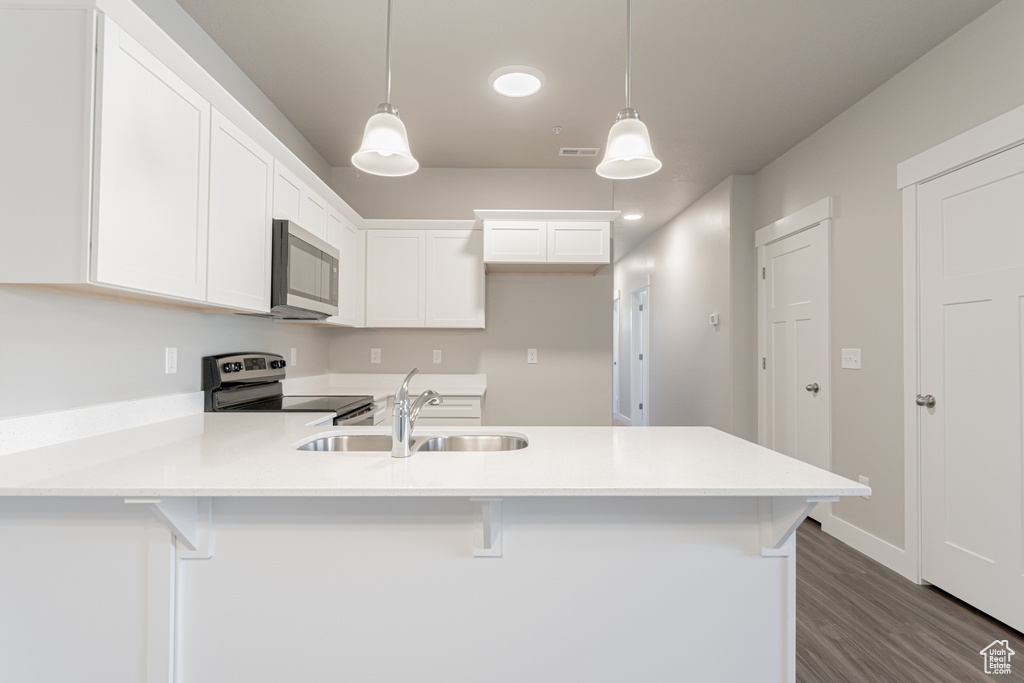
column 568, row 319
column 64, row 351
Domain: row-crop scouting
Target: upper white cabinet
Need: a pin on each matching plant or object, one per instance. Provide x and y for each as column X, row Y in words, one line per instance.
column 241, row 196
column 132, row 173
column 424, row 278
column 520, row 242
column 395, row 278
column 344, row 236
column 294, row 201
column 454, row 278
column 150, row 193
column 515, row 242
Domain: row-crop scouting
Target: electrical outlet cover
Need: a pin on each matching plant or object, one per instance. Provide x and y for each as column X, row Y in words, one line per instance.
column 374, row 355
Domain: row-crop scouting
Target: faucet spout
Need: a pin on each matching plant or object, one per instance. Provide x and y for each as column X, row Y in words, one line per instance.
column 404, row 416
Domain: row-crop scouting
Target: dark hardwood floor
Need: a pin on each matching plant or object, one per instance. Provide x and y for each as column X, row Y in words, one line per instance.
column 858, row 621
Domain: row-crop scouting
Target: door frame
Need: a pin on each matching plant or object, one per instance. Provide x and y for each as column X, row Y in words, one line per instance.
column 640, row 372
column 804, row 219
column 981, row 142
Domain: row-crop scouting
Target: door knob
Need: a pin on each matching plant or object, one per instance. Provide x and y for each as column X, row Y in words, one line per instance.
column 928, row 401
column 813, row 388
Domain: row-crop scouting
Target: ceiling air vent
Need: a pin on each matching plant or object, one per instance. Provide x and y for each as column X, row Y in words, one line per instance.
column 578, row 151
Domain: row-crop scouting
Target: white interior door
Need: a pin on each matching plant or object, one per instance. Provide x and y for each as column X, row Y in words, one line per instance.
column 640, row 361
column 795, row 334
column 971, row 299
column 615, row 358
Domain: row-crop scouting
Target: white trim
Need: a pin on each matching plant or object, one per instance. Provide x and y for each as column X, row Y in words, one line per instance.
column 979, row 142
column 877, row 549
column 417, row 224
column 803, row 219
column 46, row 429
column 911, row 370
column 543, row 215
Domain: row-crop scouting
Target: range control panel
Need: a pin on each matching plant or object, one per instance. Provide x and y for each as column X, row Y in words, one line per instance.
column 237, row 368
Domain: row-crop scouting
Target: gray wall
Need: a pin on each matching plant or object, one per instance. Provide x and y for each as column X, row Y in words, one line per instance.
column 700, row 263
column 567, row 319
column 64, row 351
column 972, row 77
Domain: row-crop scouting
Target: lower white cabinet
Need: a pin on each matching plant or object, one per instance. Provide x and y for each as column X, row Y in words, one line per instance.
column 424, row 278
column 241, row 195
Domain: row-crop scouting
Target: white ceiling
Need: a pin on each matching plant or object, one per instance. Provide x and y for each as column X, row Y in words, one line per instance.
column 724, row 86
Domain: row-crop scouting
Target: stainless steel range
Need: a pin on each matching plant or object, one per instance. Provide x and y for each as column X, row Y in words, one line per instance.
column 251, row 382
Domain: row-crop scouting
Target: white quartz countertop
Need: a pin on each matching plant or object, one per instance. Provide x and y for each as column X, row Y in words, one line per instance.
column 253, row 454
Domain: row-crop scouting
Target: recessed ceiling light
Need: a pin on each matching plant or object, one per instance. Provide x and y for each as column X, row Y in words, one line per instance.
column 632, row 216
column 517, row 81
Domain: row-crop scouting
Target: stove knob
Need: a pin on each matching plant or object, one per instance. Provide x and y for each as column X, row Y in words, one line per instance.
column 238, row 367
column 280, row 363
column 227, row 367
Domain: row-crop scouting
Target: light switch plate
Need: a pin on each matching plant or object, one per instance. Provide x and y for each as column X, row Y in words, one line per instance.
column 374, row 355
column 531, row 355
column 851, row 359
column 170, row 360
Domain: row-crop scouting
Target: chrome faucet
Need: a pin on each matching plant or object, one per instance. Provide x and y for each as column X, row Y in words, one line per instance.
column 403, row 416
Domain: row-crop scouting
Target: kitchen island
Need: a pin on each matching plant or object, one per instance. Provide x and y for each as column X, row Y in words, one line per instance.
column 207, row 548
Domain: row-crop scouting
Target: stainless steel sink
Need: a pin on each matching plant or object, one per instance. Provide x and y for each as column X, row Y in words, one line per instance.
column 471, row 442
column 349, row 442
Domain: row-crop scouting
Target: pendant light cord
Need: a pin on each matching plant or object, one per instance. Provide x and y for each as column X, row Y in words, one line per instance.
column 629, row 47
column 387, row 81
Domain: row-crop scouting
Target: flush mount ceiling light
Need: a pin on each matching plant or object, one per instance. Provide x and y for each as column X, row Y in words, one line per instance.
column 385, row 148
column 517, row 81
column 632, row 216
column 628, row 153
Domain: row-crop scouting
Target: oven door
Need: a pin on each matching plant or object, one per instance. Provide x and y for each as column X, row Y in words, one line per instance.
column 368, row 417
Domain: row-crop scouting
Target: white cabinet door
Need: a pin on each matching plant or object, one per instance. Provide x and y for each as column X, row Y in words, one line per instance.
column 579, row 242
column 455, row 278
column 395, row 278
column 343, row 235
column 241, row 195
column 287, row 193
column 515, row 242
column 313, row 213
column 294, row 201
column 152, row 174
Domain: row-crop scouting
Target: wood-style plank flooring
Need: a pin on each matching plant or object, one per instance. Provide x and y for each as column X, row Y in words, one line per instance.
column 857, row 620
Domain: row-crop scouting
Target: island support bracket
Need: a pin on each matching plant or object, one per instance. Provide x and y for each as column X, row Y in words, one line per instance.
column 189, row 519
column 780, row 518
column 488, row 542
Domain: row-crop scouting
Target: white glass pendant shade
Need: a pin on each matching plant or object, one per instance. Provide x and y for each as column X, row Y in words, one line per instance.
column 385, row 148
column 628, row 153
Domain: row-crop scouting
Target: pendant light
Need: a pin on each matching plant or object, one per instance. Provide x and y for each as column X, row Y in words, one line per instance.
column 385, row 148
column 628, row 153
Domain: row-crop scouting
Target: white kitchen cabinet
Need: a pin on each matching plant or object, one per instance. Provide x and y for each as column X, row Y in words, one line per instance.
column 551, row 246
column 579, row 242
column 424, row 278
column 344, row 236
column 515, row 242
column 456, row 411
column 395, row 278
column 150, row 191
column 294, row 201
column 241, row 197
column 454, row 278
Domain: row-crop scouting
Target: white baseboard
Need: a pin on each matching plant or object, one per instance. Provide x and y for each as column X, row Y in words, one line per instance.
column 879, row 550
column 46, row 429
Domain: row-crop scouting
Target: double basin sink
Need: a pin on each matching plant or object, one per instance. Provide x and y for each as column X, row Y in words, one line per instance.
column 382, row 443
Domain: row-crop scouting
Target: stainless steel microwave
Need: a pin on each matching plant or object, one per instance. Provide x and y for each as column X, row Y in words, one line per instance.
column 304, row 274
